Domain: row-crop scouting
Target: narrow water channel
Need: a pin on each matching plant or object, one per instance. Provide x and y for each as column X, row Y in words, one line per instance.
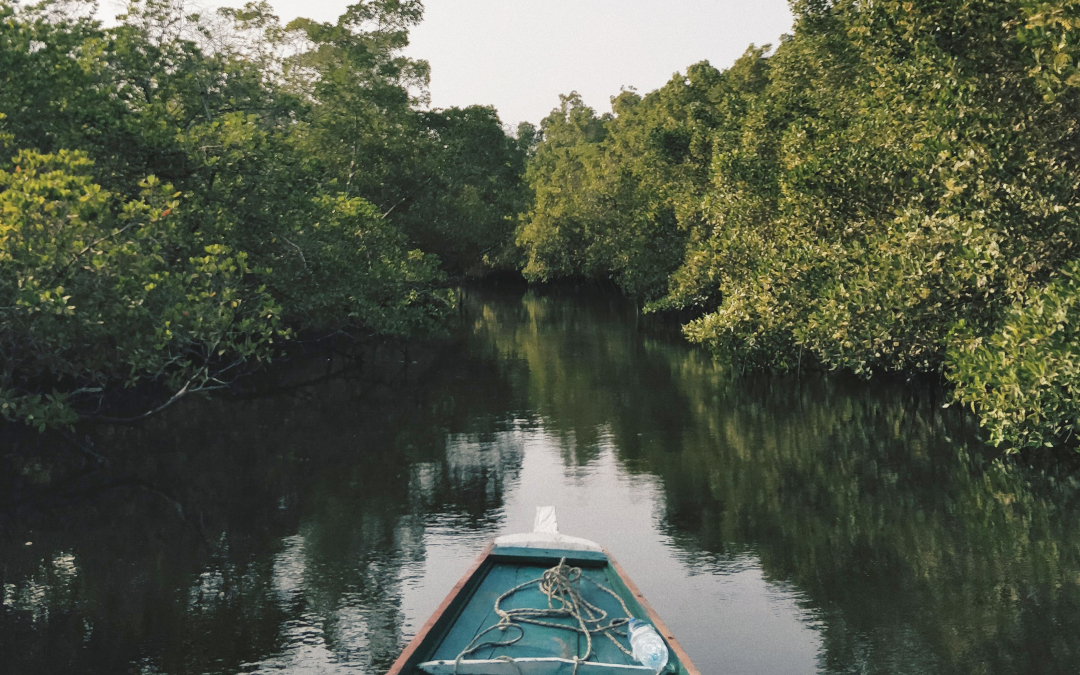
column 779, row 525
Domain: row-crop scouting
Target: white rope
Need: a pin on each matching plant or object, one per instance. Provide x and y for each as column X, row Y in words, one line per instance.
column 562, row 586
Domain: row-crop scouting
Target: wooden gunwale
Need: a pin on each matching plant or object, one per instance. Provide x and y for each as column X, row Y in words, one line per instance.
column 657, row 622
column 421, row 635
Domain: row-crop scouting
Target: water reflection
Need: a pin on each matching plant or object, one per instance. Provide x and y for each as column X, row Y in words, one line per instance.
column 779, row 525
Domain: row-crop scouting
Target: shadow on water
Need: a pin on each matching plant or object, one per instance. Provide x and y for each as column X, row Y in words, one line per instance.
column 249, row 534
column 304, row 530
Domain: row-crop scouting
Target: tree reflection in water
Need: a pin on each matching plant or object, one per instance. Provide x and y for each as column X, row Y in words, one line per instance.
column 290, row 531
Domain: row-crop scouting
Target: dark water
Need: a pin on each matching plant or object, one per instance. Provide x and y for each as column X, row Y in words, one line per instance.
column 778, row 525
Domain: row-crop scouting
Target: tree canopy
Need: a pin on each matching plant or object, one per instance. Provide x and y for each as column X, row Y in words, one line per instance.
column 181, row 192
column 893, row 188
column 893, row 181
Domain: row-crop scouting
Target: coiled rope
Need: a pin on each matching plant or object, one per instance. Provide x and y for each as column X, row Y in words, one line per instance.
column 562, row 586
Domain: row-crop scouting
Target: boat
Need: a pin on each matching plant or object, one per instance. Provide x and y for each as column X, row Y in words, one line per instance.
column 538, row 603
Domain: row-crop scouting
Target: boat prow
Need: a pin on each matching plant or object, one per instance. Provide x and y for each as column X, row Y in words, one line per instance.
column 538, row 603
column 546, row 534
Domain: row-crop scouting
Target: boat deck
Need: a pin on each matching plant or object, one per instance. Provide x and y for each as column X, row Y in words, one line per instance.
column 507, row 571
column 514, row 560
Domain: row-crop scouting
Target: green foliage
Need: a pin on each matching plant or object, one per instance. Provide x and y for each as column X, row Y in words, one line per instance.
column 450, row 179
column 473, row 192
column 1024, row 379
column 294, row 185
column 350, row 266
column 96, row 290
column 1051, row 32
column 893, row 170
column 559, row 226
column 616, row 195
column 903, row 177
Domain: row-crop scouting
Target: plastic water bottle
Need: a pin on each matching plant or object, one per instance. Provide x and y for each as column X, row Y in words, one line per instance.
column 648, row 647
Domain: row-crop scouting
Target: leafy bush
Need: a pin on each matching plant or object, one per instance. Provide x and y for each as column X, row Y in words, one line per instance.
column 96, row 289
column 349, row 266
column 294, row 185
column 1024, row 380
column 893, row 170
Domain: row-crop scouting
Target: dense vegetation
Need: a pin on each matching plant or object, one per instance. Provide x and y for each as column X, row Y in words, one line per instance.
column 893, row 189
column 179, row 193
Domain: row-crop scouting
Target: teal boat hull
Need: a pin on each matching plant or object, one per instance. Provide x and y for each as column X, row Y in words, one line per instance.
column 469, row 609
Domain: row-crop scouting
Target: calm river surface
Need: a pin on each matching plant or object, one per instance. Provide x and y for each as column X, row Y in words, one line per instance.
column 778, row 525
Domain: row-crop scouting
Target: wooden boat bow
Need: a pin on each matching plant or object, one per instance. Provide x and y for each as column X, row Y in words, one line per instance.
column 443, row 645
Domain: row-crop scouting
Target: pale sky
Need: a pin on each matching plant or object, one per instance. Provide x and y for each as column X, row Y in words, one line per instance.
column 519, row 55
